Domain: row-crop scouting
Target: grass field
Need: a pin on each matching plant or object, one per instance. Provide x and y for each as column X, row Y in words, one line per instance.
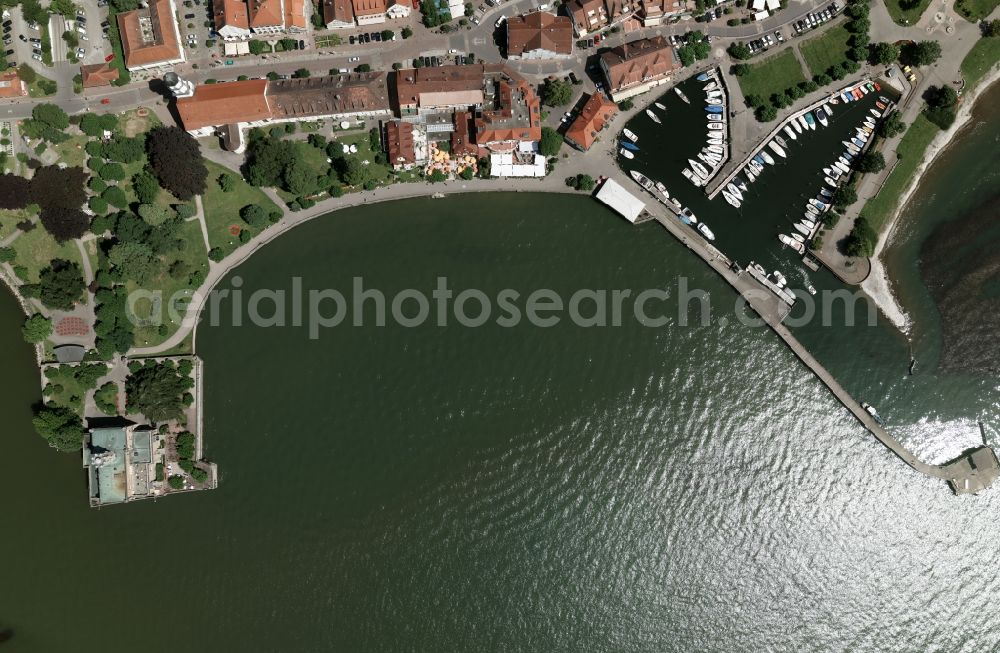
column 981, row 58
column 976, row 10
column 196, row 257
column 903, row 12
column 910, row 152
column 824, row 51
column 773, row 75
column 10, row 217
column 71, row 151
column 36, row 249
column 222, row 210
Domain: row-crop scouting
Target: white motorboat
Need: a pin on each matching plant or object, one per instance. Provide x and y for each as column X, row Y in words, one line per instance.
column 791, row 134
column 799, row 237
column 819, row 205
column 629, row 134
column 821, row 116
column 801, row 229
column 843, row 167
column 681, row 95
column 715, row 117
column 791, row 242
column 693, row 178
column 782, row 142
column 715, row 149
column 716, row 126
column 808, row 224
column 827, row 109
column 687, row 216
column 777, row 149
column 655, row 118
column 711, row 86
column 662, row 190
column 659, row 106
column 698, row 169
column 705, row 231
column 625, row 153
column 729, row 197
column 734, row 190
column 876, row 113
column 830, row 182
column 742, row 185
column 756, row 167
column 708, row 159
column 825, row 192
column 751, row 175
column 713, row 101
column 803, row 122
column 715, row 94
column 767, row 157
column 831, row 172
column 797, row 126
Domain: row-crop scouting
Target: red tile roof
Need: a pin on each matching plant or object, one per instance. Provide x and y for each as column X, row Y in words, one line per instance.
column 369, row 7
column 517, row 116
column 157, row 44
column 539, row 31
column 639, row 61
column 98, row 74
column 231, row 13
column 595, row 114
column 11, row 84
column 220, row 104
column 399, row 143
column 266, row 13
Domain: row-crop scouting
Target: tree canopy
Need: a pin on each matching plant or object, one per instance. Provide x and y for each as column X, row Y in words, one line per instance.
column 551, row 142
column 60, row 426
column 176, row 161
column 13, row 191
column 60, row 285
column 556, row 93
column 883, row 54
column 156, row 390
column 60, row 194
column 870, row 162
column 36, row 328
column 134, row 260
column 921, row 53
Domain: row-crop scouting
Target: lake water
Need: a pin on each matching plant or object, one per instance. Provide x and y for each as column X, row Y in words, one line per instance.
column 520, row 489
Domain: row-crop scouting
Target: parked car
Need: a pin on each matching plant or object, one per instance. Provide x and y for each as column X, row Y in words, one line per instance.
column 453, row 51
column 105, row 101
column 189, row 16
column 302, row 44
column 353, row 59
column 500, row 21
column 36, row 57
column 80, row 52
column 777, row 35
column 10, row 52
column 82, row 20
column 573, row 78
column 351, row 39
column 34, row 40
column 376, row 36
column 7, row 23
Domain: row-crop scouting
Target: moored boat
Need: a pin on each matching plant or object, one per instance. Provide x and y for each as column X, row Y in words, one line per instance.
column 751, row 175
column 641, row 179
column 782, row 142
column 880, row 105
column 876, row 113
column 713, row 101
column 791, row 242
column 802, row 122
column 715, row 117
column 716, row 126
column 777, row 149
column 715, row 149
column 734, row 190
column 681, row 95
column 702, row 77
column 714, row 94
column 800, row 237
column 714, row 109
column 660, row 106
column 768, row 159
column 742, row 185
column 791, row 134
column 827, row 109
column 821, row 116
column 830, row 182
column 819, row 205
column 625, row 153
column 688, row 216
column 693, row 178
column 842, row 166
column 729, row 197
column 705, row 231
column 698, row 169
column 655, row 118
column 662, row 189
column 628, row 145
column 631, row 135
column 810, row 120
column 711, row 86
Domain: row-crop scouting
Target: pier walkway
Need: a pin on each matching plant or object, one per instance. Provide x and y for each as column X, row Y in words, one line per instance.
column 970, row 473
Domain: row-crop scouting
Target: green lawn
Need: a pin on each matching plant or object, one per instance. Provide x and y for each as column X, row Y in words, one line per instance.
column 222, row 210
column 71, row 151
column 827, row 50
column 313, row 157
column 910, row 152
column 905, row 12
column 196, row 256
column 36, row 249
column 65, row 389
column 10, row 217
column 981, row 58
column 773, row 75
column 976, row 10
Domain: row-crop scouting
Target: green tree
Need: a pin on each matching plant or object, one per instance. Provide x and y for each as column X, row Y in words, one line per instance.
column 551, row 142
column 585, row 182
column 51, row 115
column 870, row 162
column 467, row 173
column 134, row 261
column 844, row 196
column 766, row 113
column 60, row 285
column 60, row 427
column 626, row 105
column 920, row 53
column 739, row 51
column 175, row 159
column 437, row 176
column 883, row 54
column 112, row 172
column 741, row 69
column 891, row 125
column 145, row 186
column 254, row 215
column 862, row 239
column 227, row 182
column 36, row 328
column 156, row 390
column 407, row 32
column 556, row 92
column 106, row 398
column 258, row 47
column 686, row 54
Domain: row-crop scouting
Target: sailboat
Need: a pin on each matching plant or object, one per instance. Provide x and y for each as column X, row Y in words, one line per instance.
column 777, row 149
column 681, row 95
column 791, row 134
column 693, row 178
column 655, row 118
column 741, row 184
column 734, row 190
column 698, row 168
column 782, row 142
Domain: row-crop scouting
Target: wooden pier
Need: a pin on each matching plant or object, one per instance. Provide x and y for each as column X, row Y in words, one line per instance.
column 972, row 472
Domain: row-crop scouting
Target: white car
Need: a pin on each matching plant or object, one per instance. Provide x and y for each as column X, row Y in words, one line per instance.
column 354, row 59
column 500, row 21
column 453, row 51
column 36, row 57
column 81, row 51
